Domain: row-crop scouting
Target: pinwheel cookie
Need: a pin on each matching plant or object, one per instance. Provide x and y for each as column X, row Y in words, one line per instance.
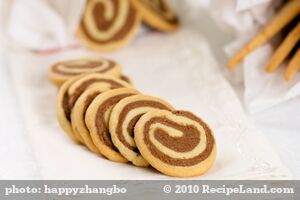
column 157, row 14
column 176, row 143
column 63, row 70
column 123, row 119
column 108, row 25
column 71, row 90
column 78, row 114
column 97, row 119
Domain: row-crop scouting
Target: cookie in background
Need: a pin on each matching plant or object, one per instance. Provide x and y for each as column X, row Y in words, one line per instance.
column 111, row 25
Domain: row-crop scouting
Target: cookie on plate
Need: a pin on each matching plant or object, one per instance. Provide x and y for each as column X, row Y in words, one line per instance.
column 176, row 143
column 71, row 90
column 78, row 114
column 123, row 119
column 157, row 14
column 97, row 120
column 108, row 25
column 64, row 70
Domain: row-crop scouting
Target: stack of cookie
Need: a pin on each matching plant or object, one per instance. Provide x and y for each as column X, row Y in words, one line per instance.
column 108, row 25
column 111, row 118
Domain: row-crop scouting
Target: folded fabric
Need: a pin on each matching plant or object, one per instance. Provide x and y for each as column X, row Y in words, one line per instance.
column 245, row 18
column 44, row 24
column 17, row 160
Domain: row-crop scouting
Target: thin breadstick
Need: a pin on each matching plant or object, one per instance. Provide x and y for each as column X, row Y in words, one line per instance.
column 293, row 66
column 290, row 10
column 284, row 49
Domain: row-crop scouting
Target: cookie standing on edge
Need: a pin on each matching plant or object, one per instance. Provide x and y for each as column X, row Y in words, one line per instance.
column 108, row 25
column 78, row 115
column 157, row 14
column 71, row 90
column 64, row 70
column 123, row 119
column 97, row 120
column 175, row 143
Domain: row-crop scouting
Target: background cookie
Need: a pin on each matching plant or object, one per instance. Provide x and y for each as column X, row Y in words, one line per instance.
column 157, row 14
column 123, row 119
column 63, row 70
column 175, row 143
column 97, row 119
column 108, row 25
column 70, row 91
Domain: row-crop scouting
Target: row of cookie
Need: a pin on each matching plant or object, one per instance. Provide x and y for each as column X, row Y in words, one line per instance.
column 111, row 24
column 113, row 119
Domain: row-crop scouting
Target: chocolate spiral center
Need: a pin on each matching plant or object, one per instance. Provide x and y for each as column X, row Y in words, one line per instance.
column 105, row 21
column 187, row 140
column 130, row 127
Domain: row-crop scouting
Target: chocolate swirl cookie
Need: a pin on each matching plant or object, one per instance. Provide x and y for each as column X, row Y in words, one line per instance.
column 71, row 90
column 157, row 14
column 108, row 25
column 63, row 70
column 97, row 119
column 123, row 119
column 78, row 114
column 176, row 143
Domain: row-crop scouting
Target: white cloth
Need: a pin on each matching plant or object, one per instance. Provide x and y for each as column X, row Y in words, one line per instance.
column 245, row 18
column 44, row 24
column 17, row 161
column 187, row 76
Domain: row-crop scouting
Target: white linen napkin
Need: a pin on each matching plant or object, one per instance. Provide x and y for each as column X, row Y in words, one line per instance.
column 245, row 18
column 44, row 24
column 17, row 161
column 186, row 75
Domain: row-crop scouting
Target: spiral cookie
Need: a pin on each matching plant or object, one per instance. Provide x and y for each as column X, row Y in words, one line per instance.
column 108, row 25
column 70, row 91
column 175, row 143
column 157, row 14
column 78, row 113
column 123, row 119
column 97, row 119
column 63, row 70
